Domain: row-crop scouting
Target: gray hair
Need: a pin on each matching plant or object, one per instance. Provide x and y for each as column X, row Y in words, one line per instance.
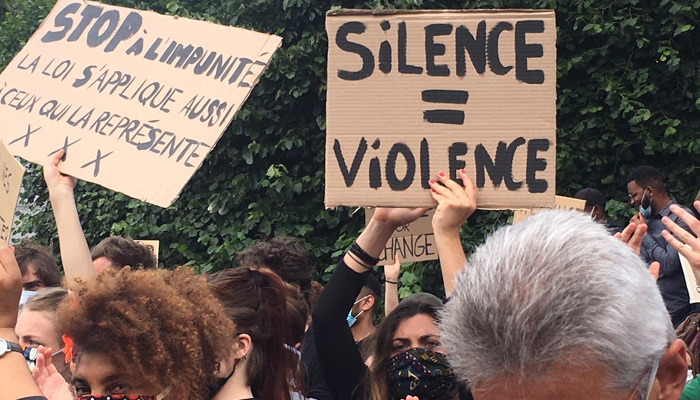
column 556, row 287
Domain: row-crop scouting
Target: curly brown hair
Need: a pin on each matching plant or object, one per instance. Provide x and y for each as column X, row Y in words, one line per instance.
column 164, row 327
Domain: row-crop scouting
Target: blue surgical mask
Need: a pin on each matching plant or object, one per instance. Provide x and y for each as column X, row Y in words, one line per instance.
column 646, row 212
column 351, row 320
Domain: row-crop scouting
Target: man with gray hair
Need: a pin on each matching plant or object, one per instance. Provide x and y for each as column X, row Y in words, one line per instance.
column 556, row 308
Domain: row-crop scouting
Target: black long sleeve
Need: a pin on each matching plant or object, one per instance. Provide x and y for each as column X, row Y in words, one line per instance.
column 341, row 362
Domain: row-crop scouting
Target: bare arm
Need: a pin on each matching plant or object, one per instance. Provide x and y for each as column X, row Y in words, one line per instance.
column 75, row 253
column 391, row 287
column 455, row 205
column 15, row 379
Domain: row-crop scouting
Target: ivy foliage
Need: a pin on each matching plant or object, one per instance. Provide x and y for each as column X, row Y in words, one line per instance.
column 628, row 94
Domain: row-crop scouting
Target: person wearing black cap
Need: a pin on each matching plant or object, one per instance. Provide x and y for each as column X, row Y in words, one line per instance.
column 595, row 207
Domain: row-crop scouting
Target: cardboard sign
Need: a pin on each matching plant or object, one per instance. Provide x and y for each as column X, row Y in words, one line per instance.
column 412, row 242
column 560, row 203
column 12, row 172
column 137, row 99
column 412, row 93
column 690, row 280
column 153, row 245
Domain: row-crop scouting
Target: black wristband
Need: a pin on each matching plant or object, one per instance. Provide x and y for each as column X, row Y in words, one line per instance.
column 355, row 249
column 394, row 282
column 354, row 257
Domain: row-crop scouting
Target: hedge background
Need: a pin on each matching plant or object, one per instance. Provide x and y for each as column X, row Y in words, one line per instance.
column 628, row 94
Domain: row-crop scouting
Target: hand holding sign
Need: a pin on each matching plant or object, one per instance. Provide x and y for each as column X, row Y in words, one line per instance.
column 56, row 181
column 688, row 245
column 455, row 203
column 395, row 217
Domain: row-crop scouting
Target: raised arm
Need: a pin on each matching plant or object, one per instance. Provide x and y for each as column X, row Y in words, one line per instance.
column 75, row 253
column 455, row 204
column 391, row 285
column 340, row 360
column 15, row 379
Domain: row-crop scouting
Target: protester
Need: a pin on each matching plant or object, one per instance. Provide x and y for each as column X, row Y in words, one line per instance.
column 39, row 268
column 286, row 256
column 143, row 333
column 361, row 316
column 648, row 193
column 79, row 262
column 117, row 252
column 37, row 325
column 554, row 307
column 391, row 289
column 297, row 313
column 408, row 337
column 595, row 206
column 262, row 366
column 15, row 379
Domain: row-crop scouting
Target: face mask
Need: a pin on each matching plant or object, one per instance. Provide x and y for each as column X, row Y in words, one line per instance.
column 26, row 295
column 422, row 373
column 351, row 320
column 646, row 212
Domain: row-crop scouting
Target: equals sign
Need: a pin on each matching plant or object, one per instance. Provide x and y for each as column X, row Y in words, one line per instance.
column 440, row 116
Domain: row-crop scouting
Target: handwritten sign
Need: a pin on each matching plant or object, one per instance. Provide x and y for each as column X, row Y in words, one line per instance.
column 153, row 245
column 412, row 93
column 11, row 172
column 412, row 242
column 136, row 99
column 560, row 203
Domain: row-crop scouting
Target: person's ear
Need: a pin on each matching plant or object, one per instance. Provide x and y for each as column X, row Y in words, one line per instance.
column 673, row 369
column 242, row 346
column 367, row 303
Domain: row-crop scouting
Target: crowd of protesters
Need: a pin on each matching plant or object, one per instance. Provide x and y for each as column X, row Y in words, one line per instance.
column 562, row 305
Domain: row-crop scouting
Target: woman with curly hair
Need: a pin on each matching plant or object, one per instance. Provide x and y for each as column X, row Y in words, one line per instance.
column 146, row 333
column 263, row 365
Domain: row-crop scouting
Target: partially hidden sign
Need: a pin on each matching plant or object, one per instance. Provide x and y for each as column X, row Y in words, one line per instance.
column 560, row 203
column 413, row 93
column 11, row 172
column 137, row 99
column 412, row 242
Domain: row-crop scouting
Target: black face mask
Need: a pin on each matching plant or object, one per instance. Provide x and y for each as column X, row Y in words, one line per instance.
column 422, row 373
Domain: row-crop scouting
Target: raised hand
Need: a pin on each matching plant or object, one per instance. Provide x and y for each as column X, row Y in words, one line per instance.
column 50, row 382
column 55, row 180
column 10, row 288
column 456, row 203
column 686, row 244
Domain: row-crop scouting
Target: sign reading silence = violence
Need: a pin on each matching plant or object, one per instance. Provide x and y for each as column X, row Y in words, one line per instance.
column 137, row 99
column 412, row 93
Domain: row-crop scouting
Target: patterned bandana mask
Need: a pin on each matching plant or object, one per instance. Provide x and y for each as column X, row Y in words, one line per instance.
column 419, row 372
column 115, row 397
